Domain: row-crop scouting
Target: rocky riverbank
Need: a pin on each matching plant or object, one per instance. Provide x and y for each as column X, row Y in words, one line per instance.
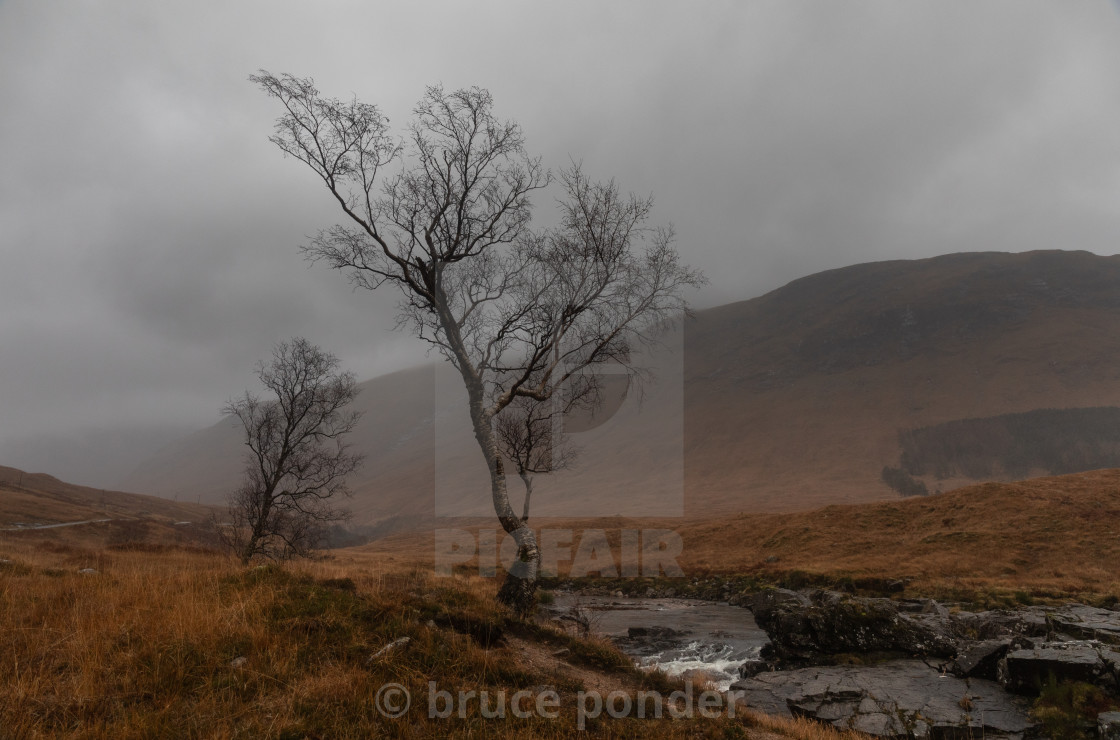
column 915, row 668
column 918, row 668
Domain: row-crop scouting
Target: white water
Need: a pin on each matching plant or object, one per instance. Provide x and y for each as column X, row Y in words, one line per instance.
column 717, row 638
column 719, row 661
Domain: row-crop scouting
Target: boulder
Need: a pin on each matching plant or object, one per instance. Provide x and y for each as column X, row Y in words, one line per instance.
column 981, row 659
column 805, row 627
column 923, row 606
column 649, row 640
column 754, row 666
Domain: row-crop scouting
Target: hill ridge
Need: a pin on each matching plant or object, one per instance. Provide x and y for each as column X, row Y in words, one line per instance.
column 796, row 398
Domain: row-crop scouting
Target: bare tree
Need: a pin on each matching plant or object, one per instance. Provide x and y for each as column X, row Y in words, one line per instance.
column 519, row 313
column 530, row 432
column 298, row 461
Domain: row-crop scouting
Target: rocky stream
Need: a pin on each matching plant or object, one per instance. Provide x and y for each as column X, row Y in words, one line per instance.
column 890, row 668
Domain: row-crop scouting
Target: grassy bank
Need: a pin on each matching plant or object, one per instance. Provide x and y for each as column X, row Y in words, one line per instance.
column 1044, row 540
column 163, row 642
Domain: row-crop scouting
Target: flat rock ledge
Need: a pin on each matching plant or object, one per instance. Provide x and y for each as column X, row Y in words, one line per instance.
column 901, row 698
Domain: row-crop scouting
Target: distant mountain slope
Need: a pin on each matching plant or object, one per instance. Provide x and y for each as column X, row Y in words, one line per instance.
column 38, row 507
column 797, row 398
column 37, row 498
column 792, row 400
column 889, row 312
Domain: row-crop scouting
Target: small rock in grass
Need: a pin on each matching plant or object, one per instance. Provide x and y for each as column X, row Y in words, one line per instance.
column 399, row 642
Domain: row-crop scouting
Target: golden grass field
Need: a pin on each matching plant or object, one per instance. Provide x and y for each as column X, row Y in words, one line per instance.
column 151, row 644
column 1056, row 538
column 1043, row 539
column 173, row 642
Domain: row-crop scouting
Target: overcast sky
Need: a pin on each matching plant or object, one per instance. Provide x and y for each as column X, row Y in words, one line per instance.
column 150, row 233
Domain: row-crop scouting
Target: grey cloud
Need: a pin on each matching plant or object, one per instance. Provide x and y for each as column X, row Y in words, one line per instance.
column 149, row 232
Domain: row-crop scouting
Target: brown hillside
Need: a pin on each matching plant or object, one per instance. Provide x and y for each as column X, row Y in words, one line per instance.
column 1055, row 537
column 795, row 399
column 1056, row 534
column 792, row 400
column 30, row 500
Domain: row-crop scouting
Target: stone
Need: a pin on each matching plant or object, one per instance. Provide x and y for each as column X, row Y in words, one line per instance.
column 387, row 649
column 1026, row 671
column 754, row 666
column 877, row 723
column 999, row 624
column 646, row 640
column 1108, row 726
column 1111, row 660
column 904, row 698
column 1086, row 622
column 980, row 659
column 804, row 627
column 923, row 606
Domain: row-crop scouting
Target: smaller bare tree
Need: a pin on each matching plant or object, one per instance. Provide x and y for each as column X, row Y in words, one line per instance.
column 530, row 432
column 298, row 461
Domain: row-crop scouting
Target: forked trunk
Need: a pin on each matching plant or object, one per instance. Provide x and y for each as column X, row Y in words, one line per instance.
column 528, row 481
column 519, row 589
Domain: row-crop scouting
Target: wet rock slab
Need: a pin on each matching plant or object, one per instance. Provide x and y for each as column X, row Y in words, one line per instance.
column 905, row 698
column 1087, row 622
column 1076, row 621
column 1027, row 670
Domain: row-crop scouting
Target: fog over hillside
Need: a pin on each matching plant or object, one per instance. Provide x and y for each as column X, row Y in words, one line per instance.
column 150, row 233
column 796, row 399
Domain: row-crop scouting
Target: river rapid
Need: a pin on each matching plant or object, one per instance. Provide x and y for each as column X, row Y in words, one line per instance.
column 682, row 636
